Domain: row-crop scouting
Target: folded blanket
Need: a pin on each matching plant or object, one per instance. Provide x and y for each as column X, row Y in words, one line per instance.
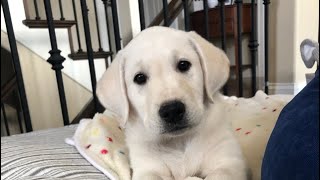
column 253, row 120
column 102, row 142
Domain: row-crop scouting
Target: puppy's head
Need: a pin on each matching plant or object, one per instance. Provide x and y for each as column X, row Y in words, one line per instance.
column 163, row 80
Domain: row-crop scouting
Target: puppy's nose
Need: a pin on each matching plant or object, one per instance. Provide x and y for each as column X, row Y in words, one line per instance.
column 172, row 111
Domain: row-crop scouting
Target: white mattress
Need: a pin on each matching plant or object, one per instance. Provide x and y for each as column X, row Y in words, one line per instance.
column 44, row 155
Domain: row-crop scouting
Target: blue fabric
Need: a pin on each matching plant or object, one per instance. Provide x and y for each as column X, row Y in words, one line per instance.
column 292, row 152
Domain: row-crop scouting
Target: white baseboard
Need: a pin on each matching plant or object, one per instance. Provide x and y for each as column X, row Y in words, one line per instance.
column 299, row 87
column 286, row 88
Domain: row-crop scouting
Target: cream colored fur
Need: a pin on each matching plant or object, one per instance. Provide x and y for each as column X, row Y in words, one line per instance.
column 208, row 149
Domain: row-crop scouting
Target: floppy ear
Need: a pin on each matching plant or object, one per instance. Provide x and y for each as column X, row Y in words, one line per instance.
column 214, row 62
column 111, row 90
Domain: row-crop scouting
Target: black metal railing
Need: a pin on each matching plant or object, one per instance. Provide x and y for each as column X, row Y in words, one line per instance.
column 239, row 46
column 141, row 13
column 56, row 60
column 186, row 15
column 3, row 110
column 223, row 34
column 97, row 25
column 105, row 5
column 253, row 45
column 206, row 19
column 61, row 11
column 266, row 45
column 17, row 67
column 116, row 24
column 165, row 13
column 35, row 3
column 77, row 26
column 89, row 51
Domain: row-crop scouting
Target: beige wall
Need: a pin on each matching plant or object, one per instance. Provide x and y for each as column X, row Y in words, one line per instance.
column 282, row 41
column 41, row 89
column 291, row 21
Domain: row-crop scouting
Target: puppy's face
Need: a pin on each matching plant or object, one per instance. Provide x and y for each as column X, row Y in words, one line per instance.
column 164, row 83
column 162, row 80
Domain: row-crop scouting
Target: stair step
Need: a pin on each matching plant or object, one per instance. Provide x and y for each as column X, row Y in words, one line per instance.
column 32, row 23
column 83, row 55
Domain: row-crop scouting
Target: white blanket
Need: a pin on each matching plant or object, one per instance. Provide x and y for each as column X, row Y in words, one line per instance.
column 102, row 142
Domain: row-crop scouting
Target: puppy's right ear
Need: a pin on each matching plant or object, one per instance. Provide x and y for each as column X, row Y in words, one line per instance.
column 111, row 90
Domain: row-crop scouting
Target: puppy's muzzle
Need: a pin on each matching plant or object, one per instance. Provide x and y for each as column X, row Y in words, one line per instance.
column 172, row 112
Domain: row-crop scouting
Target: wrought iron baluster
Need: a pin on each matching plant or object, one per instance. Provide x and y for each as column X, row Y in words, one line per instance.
column 77, row 25
column 19, row 121
column 223, row 35
column 239, row 43
column 105, row 4
column 253, row 45
column 222, row 25
column 165, row 13
column 5, row 119
column 16, row 64
column 266, row 45
column 206, row 19
column 141, row 13
column 35, row 3
column 97, row 24
column 61, row 11
column 84, row 9
column 56, row 61
column 186, row 15
column 116, row 24
column 18, row 113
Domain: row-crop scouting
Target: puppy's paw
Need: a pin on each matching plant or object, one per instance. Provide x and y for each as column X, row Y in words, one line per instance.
column 193, row 178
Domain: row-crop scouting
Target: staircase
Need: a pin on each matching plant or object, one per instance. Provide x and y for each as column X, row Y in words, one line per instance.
column 67, row 15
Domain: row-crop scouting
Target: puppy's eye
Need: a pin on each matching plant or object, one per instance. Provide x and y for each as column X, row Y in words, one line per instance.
column 183, row 66
column 140, row 79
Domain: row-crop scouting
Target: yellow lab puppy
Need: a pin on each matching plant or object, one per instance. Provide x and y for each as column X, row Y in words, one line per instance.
column 164, row 86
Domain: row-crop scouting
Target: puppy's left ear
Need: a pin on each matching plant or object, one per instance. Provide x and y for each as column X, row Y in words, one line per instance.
column 111, row 90
column 214, row 62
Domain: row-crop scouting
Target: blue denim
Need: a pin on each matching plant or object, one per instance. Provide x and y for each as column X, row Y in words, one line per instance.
column 292, row 152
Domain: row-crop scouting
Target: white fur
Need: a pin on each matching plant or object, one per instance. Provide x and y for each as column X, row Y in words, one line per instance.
column 207, row 150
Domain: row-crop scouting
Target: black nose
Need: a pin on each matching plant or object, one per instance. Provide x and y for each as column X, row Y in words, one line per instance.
column 172, row 111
